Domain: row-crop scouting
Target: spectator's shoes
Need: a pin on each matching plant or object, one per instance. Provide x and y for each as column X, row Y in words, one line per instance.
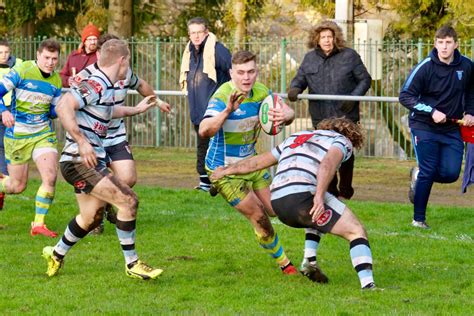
column 54, row 264
column 2, row 200
column 140, row 270
column 413, row 177
column 312, row 271
column 420, row 224
column 289, row 269
column 42, row 230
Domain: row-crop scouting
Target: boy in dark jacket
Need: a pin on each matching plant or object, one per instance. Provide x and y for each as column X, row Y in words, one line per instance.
column 438, row 89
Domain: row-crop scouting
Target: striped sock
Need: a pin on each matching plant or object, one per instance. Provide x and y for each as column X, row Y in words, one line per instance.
column 71, row 236
column 126, row 234
column 274, row 248
column 311, row 243
column 362, row 260
column 44, row 199
column 3, row 184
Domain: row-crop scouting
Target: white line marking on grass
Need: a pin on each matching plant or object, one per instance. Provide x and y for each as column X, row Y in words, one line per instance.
column 435, row 236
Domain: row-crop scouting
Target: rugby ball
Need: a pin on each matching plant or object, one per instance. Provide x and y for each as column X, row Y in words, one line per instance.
column 270, row 102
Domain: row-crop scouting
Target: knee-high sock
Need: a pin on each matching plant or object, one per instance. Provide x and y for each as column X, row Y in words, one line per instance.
column 126, row 234
column 311, row 243
column 44, row 199
column 362, row 260
column 71, row 236
column 274, row 248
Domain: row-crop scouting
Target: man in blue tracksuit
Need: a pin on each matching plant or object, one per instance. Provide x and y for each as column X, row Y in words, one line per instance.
column 438, row 89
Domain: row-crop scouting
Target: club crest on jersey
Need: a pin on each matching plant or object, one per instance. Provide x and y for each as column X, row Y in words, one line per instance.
column 121, row 84
column 80, row 185
column 459, row 73
column 324, row 218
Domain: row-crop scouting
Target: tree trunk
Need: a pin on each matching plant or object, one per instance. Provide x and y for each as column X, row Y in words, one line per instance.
column 240, row 29
column 120, row 18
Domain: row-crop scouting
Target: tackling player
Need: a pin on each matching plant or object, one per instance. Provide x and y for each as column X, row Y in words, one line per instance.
column 85, row 113
column 307, row 162
column 231, row 119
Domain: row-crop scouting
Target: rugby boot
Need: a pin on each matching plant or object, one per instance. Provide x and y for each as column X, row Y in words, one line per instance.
column 54, row 264
column 140, row 270
column 312, row 271
column 42, row 230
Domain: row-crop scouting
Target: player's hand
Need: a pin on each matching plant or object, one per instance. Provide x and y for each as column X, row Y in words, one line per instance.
column 438, row 117
column 318, row 208
column 147, row 103
column 87, row 153
column 164, row 107
column 468, row 120
column 219, row 173
column 280, row 115
column 235, row 100
column 8, row 119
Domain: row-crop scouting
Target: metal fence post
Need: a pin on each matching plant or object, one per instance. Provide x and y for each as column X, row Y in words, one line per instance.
column 472, row 48
column 283, row 46
column 157, row 87
column 420, row 50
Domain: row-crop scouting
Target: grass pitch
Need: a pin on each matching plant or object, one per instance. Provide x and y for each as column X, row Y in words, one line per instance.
column 213, row 264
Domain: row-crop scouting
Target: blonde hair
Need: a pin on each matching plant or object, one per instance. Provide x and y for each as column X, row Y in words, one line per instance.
column 344, row 127
column 315, row 34
column 111, row 50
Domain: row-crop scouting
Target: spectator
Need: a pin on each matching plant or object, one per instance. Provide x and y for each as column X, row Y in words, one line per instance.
column 437, row 89
column 332, row 68
column 84, row 56
column 204, row 68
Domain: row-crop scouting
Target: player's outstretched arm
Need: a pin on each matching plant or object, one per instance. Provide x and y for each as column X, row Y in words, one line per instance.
column 327, row 170
column 144, row 105
column 283, row 115
column 245, row 166
column 145, row 89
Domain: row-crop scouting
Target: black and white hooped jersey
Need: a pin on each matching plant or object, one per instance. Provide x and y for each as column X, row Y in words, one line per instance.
column 95, row 95
column 299, row 157
column 117, row 132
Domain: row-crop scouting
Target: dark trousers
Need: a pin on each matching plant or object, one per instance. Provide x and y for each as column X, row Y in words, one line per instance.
column 439, row 157
column 202, row 145
column 346, row 172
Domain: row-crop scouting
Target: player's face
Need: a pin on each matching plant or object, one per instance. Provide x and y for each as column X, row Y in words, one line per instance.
column 197, row 34
column 47, row 60
column 123, row 69
column 445, row 47
column 326, row 41
column 90, row 44
column 4, row 54
column 244, row 76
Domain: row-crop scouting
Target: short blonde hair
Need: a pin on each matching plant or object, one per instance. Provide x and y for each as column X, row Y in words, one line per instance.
column 111, row 50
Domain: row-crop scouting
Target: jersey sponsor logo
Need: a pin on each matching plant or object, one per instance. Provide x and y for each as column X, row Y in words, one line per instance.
column 95, row 85
column 459, row 73
column 324, row 218
column 30, row 85
column 246, row 150
column 80, row 185
column 239, row 112
column 100, row 129
column 300, row 140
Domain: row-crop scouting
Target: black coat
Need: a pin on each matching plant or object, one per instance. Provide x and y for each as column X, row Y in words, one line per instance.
column 340, row 73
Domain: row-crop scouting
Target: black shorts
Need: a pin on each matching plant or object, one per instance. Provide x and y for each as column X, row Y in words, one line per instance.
column 293, row 210
column 120, row 151
column 82, row 178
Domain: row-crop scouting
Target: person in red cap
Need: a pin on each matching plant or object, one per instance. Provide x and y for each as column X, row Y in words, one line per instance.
column 84, row 56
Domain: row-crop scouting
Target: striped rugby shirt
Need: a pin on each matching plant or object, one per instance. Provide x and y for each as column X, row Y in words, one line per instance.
column 299, row 157
column 237, row 137
column 95, row 95
column 33, row 100
column 117, row 132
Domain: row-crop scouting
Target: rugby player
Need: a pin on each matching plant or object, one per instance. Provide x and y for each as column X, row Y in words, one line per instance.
column 29, row 135
column 85, row 113
column 307, row 162
column 231, row 119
